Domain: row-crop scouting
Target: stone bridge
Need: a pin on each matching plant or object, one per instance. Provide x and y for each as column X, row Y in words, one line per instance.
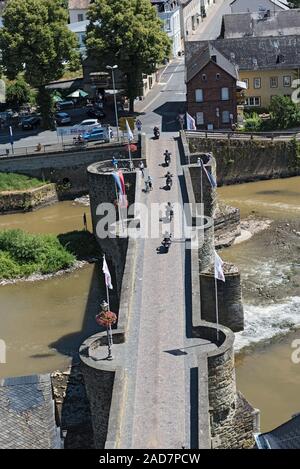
column 171, row 383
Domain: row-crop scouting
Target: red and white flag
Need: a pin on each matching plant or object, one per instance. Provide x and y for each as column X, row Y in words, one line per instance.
column 219, row 273
column 107, row 275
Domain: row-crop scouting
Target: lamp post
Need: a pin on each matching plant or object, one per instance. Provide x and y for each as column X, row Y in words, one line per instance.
column 107, row 318
column 113, row 68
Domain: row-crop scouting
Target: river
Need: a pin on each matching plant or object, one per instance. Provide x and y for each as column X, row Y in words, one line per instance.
column 270, row 266
column 43, row 323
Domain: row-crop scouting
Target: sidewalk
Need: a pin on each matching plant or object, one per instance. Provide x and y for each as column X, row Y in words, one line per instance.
column 210, row 27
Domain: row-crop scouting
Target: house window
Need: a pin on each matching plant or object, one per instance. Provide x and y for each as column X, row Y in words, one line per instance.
column 168, row 25
column 256, row 83
column 225, row 94
column 252, row 101
column 204, row 77
column 218, row 76
column 225, row 117
column 80, row 17
column 200, row 118
column 199, row 96
column 287, row 81
column 274, row 82
column 246, row 80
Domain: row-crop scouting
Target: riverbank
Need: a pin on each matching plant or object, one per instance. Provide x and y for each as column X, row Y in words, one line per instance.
column 31, row 257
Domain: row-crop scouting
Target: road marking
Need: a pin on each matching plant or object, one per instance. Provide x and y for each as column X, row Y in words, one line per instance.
column 155, row 98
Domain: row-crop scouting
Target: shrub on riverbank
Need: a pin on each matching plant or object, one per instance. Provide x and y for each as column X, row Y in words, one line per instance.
column 18, row 182
column 23, row 254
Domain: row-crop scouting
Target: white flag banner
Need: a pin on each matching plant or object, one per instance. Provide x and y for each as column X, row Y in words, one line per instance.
column 129, row 131
column 107, row 275
column 190, row 122
column 219, row 273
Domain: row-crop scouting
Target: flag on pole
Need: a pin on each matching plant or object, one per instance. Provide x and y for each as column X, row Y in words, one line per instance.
column 120, row 183
column 107, row 275
column 129, row 131
column 122, row 195
column 11, row 136
column 117, row 181
column 219, row 273
column 190, row 122
column 209, row 176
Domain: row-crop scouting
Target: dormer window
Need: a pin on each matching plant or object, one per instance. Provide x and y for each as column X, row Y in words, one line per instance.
column 204, row 77
column 218, row 76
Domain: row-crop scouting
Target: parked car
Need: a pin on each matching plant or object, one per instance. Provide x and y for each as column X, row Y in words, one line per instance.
column 61, row 105
column 87, row 124
column 97, row 134
column 29, row 123
column 96, row 112
column 62, row 118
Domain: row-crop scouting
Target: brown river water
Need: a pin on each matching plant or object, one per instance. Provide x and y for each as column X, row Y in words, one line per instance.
column 270, row 268
column 43, row 323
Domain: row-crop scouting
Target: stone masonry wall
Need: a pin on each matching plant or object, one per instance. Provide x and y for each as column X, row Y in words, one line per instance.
column 249, row 160
column 66, row 169
column 99, row 387
column 230, row 306
column 102, row 190
column 16, row 201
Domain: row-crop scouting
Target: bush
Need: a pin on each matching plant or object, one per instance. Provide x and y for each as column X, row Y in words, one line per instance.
column 14, row 181
column 23, row 254
column 284, row 113
column 253, row 123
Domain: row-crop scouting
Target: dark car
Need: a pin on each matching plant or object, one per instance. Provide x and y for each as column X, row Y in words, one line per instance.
column 62, row 118
column 96, row 112
column 29, row 123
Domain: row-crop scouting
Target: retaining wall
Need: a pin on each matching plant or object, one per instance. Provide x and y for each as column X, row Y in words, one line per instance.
column 241, row 161
column 21, row 201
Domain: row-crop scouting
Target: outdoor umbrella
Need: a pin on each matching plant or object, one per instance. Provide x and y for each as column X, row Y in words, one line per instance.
column 57, row 98
column 78, row 94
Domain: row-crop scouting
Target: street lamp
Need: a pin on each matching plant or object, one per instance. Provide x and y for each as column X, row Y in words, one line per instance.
column 107, row 318
column 113, row 68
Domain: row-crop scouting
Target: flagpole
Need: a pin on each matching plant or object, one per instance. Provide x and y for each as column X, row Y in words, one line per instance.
column 119, row 208
column 217, row 307
column 108, row 329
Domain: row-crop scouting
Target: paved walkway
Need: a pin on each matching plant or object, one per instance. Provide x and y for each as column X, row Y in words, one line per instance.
column 159, row 419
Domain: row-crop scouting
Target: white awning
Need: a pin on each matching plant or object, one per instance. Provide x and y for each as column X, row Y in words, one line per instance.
column 241, row 84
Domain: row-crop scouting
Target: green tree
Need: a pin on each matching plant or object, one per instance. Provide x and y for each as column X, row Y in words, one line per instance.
column 35, row 40
column 18, row 92
column 127, row 33
column 284, row 113
column 295, row 3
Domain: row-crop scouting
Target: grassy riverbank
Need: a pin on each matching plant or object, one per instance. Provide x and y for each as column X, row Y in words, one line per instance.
column 18, row 182
column 23, row 254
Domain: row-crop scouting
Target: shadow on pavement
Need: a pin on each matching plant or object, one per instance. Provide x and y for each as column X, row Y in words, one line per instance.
column 169, row 113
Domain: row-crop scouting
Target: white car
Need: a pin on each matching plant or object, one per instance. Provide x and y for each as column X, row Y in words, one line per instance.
column 88, row 123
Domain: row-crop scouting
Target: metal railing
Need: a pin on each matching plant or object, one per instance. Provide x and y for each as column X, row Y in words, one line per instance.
column 65, row 146
column 233, row 135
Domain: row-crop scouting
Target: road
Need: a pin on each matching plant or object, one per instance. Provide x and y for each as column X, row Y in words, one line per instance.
column 210, row 28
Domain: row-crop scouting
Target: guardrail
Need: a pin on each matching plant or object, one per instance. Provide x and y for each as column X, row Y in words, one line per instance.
column 232, row 135
column 58, row 147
